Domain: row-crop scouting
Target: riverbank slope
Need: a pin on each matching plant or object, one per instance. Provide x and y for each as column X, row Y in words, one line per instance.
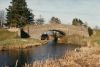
column 10, row 40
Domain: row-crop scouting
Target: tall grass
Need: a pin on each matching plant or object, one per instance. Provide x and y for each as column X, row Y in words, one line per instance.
column 74, row 40
column 96, row 38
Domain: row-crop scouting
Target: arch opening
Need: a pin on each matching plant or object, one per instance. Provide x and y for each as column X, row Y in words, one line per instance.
column 52, row 35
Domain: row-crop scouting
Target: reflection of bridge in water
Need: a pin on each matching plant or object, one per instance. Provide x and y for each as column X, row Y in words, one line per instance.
column 38, row 30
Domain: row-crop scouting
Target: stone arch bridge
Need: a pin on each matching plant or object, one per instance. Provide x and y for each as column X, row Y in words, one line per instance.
column 35, row 31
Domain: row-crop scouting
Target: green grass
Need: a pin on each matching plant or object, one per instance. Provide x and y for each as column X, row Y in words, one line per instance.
column 4, row 34
column 19, row 41
column 96, row 37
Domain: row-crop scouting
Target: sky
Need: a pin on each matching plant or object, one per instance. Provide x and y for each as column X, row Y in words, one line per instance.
column 86, row 10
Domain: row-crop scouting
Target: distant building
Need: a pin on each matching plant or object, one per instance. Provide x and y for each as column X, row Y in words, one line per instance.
column 2, row 18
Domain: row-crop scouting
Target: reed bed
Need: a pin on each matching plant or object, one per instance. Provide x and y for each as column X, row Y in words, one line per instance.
column 86, row 57
column 74, row 40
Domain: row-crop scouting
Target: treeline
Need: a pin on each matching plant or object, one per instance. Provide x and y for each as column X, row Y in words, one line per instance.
column 78, row 22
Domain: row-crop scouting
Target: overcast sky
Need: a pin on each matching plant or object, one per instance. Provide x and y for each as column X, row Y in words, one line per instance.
column 66, row 10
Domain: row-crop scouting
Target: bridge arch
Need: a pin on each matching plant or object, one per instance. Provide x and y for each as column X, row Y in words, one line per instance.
column 52, row 35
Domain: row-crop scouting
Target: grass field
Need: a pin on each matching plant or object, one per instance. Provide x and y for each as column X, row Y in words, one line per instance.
column 96, row 38
column 4, row 34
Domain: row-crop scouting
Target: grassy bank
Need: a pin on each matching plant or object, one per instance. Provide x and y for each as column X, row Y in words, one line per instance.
column 96, row 37
column 10, row 40
column 74, row 40
column 93, row 40
column 20, row 43
column 5, row 34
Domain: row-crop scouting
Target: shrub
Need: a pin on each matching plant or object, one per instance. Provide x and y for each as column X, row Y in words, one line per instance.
column 90, row 31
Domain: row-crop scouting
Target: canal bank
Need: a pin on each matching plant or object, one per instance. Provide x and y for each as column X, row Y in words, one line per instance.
column 10, row 44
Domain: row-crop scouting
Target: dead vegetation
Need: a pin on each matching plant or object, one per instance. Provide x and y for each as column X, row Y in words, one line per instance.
column 85, row 57
column 74, row 40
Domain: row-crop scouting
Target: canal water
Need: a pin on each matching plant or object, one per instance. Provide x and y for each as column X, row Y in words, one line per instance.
column 50, row 50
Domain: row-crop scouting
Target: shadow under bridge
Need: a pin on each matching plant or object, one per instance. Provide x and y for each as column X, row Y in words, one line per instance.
column 52, row 35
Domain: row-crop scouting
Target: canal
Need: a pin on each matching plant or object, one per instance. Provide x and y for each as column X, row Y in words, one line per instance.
column 50, row 50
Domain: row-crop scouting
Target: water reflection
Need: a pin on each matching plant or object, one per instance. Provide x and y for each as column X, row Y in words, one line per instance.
column 7, row 58
column 10, row 57
column 52, row 50
column 22, row 58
